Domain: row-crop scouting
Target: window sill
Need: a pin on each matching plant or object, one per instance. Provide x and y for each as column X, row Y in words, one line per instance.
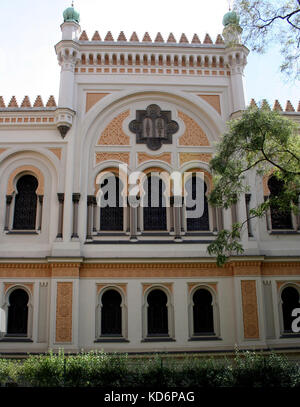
column 290, row 335
column 15, row 339
column 22, row 232
column 205, row 338
column 199, row 233
column 284, row 232
column 111, row 339
column 111, row 233
column 158, row 339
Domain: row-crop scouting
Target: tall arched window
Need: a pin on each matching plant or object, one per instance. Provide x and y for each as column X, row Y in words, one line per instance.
column 154, row 214
column 111, row 217
column 157, row 318
column 203, row 316
column 111, row 313
column 17, row 319
column 25, row 203
column 200, row 223
column 279, row 219
column 290, row 301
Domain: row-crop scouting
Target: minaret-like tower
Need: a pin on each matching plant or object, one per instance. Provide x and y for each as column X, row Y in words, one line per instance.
column 67, row 55
column 236, row 54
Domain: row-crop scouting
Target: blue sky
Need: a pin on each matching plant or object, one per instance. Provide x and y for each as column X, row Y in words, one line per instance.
column 30, row 29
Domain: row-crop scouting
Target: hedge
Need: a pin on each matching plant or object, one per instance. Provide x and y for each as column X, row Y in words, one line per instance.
column 97, row 369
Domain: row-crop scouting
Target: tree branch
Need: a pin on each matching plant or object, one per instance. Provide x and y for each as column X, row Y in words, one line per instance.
column 287, row 17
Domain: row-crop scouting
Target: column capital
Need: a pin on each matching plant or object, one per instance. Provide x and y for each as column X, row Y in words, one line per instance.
column 76, row 197
column 60, row 197
column 8, row 199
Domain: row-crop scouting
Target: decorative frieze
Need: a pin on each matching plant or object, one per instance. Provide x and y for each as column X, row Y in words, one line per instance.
column 114, row 133
column 64, row 300
column 250, row 312
column 194, row 134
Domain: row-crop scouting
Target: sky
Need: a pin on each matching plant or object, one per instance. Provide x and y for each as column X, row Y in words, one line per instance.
column 30, row 29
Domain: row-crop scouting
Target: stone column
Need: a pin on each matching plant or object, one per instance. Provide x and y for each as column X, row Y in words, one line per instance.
column 171, row 214
column 40, row 218
column 61, row 198
column 214, row 219
column 220, row 219
column 95, row 207
column 75, row 198
column 247, row 199
column 7, row 212
column 182, row 216
column 177, row 216
column 233, row 214
column 268, row 215
column 133, row 222
column 90, row 200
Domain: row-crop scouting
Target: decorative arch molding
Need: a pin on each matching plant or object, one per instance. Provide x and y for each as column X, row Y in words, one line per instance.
column 144, row 157
column 9, row 288
column 121, row 289
column 117, row 103
column 40, row 159
column 111, row 169
column 212, row 288
column 194, row 157
column 22, row 170
column 167, row 289
column 281, row 286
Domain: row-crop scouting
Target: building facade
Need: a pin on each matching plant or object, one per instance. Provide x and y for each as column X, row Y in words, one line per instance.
column 136, row 278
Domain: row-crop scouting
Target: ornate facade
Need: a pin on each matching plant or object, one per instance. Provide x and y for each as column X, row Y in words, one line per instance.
column 135, row 278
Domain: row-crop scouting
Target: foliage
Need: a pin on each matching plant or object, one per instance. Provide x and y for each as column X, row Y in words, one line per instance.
column 260, row 142
column 273, row 21
column 96, row 369
column 256, row 370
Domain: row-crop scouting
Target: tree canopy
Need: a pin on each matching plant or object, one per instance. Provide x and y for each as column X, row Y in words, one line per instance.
column 273, row 21
column 264, row 142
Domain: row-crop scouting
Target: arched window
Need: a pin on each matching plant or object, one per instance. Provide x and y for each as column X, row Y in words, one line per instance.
column 155, row 214
column 157, row 318
column 200, row 223
column 17, row 320
column 290, row 301
column 111, row 217
column 203, row 316
column 111, row 313
column 279, row 219
column 25, row 203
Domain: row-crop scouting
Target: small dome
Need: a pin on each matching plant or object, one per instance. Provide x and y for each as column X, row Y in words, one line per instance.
column 70, row 14
column 231, row 18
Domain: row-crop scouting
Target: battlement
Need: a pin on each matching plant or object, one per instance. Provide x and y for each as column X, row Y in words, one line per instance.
column 26, row 104
column 146, row 40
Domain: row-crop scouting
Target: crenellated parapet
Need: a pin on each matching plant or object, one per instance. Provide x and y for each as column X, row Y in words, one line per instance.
column 264, row 104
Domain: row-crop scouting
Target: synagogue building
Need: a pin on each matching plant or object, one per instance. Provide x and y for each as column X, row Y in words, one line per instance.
column 136, row 276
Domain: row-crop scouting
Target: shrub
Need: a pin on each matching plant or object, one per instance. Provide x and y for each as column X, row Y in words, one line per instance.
column 96, row 369
column 256, row 370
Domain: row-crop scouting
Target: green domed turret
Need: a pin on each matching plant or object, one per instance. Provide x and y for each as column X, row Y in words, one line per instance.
column 231, row 18
column 71, row 15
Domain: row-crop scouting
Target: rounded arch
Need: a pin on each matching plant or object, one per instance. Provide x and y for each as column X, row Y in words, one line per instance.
column 203, row 311
column 51, row 180
column 111, row 312
column 106, row 170
column 289, row 299
column 191, row 168
column 103, row 112
column 158, row 312
column 18, row 309
column 24, row 170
